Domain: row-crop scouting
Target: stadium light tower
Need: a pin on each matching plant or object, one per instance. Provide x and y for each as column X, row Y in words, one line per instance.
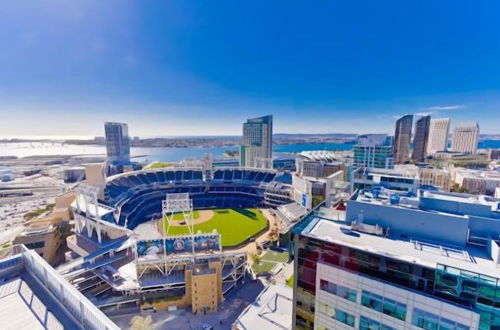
column 178, row 203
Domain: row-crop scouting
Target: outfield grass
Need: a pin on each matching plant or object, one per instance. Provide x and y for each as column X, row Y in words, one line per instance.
column 160, row 165
column 234, row 225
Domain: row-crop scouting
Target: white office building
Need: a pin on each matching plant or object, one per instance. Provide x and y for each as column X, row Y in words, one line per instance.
column 465, row 137
column 438, row 135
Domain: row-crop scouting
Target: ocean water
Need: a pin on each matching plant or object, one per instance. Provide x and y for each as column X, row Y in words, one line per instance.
column 489, row 144
column 168, row 154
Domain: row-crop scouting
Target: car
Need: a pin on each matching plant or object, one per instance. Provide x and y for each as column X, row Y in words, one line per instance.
column 206, row 326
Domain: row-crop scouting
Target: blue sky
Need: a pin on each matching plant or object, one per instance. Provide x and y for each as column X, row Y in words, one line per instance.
column 203, row 67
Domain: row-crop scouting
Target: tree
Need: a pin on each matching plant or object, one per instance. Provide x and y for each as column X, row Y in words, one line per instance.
column 255, row 258
column 141, row 323
column 459, row 189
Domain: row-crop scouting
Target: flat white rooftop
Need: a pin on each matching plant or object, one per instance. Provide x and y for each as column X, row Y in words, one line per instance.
column 271, row 310
column 474, row 259
column 34, row 296
column 23, row 309
column 463, row 198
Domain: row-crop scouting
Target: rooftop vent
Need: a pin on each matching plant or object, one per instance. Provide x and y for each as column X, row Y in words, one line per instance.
column 369, row 229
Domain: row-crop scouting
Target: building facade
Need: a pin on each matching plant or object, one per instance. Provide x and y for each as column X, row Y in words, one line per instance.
column 257, row 143
column 436, row 177
column 373, row 151
column 117, row 143
column 389, row 265
column 465, row 138
column 388, row 178
column 45, row 234
column 438, row 135
column 317, row 164
column 402, row 139
column 477, row 181
column 420, row 139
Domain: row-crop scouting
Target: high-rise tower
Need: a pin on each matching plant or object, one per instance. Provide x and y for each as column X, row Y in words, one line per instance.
column 257, row 144
column 438, row 135
column 402, row 139
column 465, row 137
column 117, row 143
column 421, row 138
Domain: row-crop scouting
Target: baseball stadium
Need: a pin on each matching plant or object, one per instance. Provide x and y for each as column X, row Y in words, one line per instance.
column 158, row 238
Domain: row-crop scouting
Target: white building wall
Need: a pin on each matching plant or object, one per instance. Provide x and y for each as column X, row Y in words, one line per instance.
column 465, row 138
column 438, row 135
column 359, row 283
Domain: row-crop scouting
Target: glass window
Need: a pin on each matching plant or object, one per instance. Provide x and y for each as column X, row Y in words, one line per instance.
column 394, row 309
column 372, row 301
column 344, row 317
column 430, row 321
column 336, row 314
column 338, row 290
column 35, row 245
column 384, row 305
column 366, row 323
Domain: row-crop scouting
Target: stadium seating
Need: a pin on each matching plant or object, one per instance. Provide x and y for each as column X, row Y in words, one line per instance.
column 139, row 195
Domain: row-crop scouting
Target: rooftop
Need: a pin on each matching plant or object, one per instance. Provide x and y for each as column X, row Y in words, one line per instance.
column 471, row 258
column 272, row 310
column 383, row 198
column 23, row 308
column 492, row 175
column 319, row 155
column 468, row 218
column 464, row 198
column 34, row 296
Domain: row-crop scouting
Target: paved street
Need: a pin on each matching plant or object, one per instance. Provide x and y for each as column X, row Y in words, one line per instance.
column 230, row 309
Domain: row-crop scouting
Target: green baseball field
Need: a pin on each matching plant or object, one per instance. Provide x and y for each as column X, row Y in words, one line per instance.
column 234, row 225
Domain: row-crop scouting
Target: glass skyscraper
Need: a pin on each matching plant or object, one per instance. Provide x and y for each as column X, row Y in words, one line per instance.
column 257, row 143
column 117, row 143
column 373, row 151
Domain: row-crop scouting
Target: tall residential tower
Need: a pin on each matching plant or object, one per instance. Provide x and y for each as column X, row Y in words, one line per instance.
column 438, row 135
column 257, row 144
column 402, row 139
column 465, row 137
column 117, row 143
column 421, row 138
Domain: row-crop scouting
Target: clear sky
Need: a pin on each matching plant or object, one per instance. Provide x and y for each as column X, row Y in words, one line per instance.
column 203, row 67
